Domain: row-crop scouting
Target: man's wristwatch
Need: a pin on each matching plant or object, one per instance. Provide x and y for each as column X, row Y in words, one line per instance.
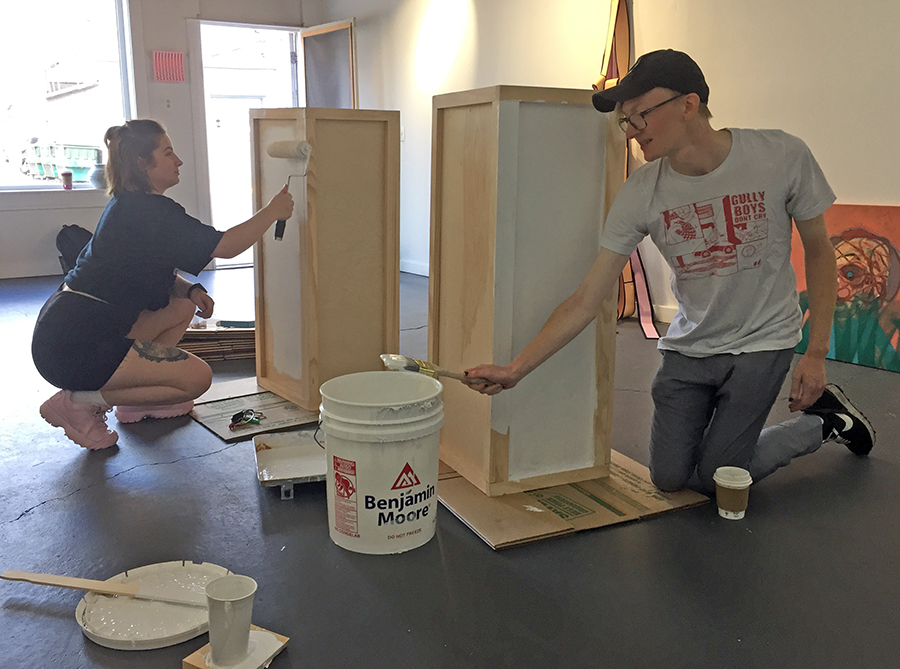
column 196, row 285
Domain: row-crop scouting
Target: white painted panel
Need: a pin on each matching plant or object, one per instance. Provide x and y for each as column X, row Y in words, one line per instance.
column 505, row 253
column 282, row 277
column 560, row 160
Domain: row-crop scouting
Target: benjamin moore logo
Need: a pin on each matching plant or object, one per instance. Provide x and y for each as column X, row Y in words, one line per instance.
column 407, row 478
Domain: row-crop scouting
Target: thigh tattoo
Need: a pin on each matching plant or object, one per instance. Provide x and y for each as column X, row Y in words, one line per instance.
column 156, row 352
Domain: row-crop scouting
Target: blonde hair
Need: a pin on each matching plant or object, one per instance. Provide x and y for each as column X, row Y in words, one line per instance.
column 130, row 150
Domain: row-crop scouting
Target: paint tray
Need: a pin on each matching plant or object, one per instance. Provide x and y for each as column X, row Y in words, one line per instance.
column 287, row 458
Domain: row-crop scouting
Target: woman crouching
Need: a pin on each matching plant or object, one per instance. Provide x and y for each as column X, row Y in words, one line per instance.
column 108, row 336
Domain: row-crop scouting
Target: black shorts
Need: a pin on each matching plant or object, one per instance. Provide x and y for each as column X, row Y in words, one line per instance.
column 78, row 341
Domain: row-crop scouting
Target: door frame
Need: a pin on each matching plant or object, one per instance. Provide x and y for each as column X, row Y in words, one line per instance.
column 198, row 107
column 198, row 91
column 334, row 26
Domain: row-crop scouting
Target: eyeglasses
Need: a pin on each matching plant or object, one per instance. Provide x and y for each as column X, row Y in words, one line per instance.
column 638, row 120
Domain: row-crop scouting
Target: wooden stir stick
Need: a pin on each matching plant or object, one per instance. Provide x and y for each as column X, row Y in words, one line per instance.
column 107, row 588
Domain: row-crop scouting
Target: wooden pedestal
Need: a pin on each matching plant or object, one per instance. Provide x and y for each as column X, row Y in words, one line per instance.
column 517, row 210
column 327, row 295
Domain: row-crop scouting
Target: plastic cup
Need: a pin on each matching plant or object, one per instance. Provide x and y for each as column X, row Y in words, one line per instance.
column 732, row 491
column 230, row 600
column 66, row 180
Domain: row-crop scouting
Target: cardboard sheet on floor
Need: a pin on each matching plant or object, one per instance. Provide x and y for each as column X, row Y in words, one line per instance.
column 280, row 414
column 224, row 390
column 510, row 520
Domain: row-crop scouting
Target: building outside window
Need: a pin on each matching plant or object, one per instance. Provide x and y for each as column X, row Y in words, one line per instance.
column 61, row 87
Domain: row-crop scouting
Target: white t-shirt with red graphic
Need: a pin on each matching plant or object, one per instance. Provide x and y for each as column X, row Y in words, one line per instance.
column 727, row 237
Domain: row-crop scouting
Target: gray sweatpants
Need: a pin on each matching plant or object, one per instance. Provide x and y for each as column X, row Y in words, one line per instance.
column 710, row 412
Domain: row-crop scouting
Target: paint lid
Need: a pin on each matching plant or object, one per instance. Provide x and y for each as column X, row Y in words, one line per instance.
column 732, row 477
column 125, row 623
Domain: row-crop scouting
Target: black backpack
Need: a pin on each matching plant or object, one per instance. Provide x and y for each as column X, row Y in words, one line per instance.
column 69, row 242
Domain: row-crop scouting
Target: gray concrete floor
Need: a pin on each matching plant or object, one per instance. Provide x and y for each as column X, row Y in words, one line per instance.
column 808, row 579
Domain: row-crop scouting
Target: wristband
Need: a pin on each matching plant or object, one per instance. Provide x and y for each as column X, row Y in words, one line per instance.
column 196, row 285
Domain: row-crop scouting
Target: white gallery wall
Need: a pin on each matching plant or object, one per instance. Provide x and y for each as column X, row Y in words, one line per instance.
column 824, row 70
column 412, row 50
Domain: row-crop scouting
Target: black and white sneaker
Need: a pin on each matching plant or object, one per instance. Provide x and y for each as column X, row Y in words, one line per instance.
column 842, row 421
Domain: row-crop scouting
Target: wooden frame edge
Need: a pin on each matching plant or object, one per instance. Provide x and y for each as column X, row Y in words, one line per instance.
column 547, row 480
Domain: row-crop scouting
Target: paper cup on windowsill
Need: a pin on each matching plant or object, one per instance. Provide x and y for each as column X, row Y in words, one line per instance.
column 732, row 491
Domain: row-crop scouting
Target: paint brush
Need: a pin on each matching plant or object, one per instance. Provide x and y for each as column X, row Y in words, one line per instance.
column 169, row 596
column 406, row 364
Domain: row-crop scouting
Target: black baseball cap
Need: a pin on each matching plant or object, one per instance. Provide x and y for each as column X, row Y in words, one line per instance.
column 665, row 68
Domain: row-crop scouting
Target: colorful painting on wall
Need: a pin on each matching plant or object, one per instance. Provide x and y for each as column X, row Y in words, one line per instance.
column 866, row 329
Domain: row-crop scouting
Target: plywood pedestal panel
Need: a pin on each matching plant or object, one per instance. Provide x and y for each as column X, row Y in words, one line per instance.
column 517, row 202
column 327, row 295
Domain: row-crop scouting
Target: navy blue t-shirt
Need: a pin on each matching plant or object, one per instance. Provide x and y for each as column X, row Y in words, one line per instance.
column 140, row 241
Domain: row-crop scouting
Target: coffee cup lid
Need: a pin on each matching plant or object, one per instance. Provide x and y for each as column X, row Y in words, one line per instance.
column 732, row 477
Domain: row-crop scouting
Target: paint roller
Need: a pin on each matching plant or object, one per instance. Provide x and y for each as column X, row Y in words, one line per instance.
column 289, row 151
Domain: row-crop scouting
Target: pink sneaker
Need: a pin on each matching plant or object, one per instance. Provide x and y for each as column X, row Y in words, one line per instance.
column 85, row 424
column 133, row 414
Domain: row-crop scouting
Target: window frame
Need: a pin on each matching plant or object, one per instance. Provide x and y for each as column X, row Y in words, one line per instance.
column 127, row 14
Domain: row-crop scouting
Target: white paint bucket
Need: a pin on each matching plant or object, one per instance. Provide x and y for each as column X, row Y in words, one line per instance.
column 381, row 444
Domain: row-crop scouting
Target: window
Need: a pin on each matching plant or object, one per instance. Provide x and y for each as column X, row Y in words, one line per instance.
column 60, row 89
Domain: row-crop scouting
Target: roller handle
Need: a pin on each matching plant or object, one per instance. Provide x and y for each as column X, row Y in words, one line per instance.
column 279, row 224
column 102, row 587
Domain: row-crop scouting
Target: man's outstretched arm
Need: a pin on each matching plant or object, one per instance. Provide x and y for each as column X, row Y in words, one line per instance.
column 565, row 323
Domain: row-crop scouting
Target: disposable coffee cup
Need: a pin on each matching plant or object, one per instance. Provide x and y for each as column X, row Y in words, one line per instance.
column 732, row 491
column 230, row 600
column 66, row 180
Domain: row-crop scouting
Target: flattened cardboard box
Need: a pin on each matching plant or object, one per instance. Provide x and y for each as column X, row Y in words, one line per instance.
column 214, row 409
column 509, row 520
